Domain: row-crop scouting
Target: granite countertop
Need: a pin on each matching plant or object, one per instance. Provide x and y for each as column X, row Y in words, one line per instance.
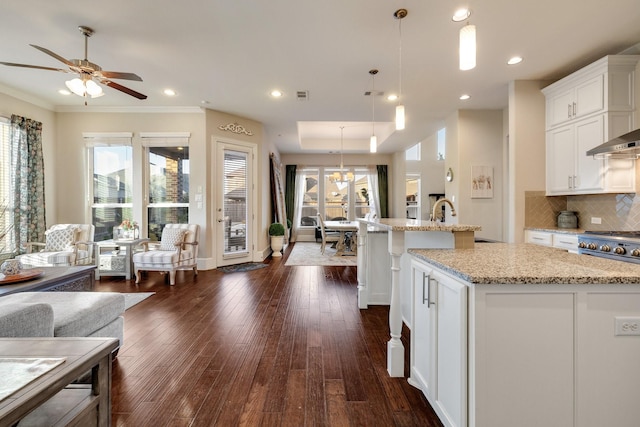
column 557, row 230
column 404, row 224
column 504, row 263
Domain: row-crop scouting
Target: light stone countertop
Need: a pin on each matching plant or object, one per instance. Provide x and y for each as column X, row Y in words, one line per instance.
column 557, row 230
column 404, row 224
column 504, row 263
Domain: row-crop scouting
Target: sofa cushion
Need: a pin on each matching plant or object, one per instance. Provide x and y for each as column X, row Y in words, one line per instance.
column 25, row 320
column 76, row 314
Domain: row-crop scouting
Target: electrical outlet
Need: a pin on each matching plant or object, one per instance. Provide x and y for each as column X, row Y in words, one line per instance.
column 596, row 220
column 627, row 326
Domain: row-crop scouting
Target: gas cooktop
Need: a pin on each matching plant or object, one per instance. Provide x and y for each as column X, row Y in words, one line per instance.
column 618, row 245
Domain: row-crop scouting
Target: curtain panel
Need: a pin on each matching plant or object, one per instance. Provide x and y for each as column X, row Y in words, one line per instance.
column 28, row 164
column 383, row 190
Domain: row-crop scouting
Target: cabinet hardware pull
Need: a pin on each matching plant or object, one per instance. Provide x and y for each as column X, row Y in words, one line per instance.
column 575, row 181
column 568, row 111
column 569, row 181
column 423, row 283
column 574, row 109
column 429, row 302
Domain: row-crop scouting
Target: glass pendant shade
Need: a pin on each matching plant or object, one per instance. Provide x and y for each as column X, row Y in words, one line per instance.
column 467, row 47
column 373, row 144
column 399, row 117
column 88, row 87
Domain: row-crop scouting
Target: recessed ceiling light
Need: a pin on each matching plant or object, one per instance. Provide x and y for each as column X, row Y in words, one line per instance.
column 276, row 93
column 64, row 92
column 464, row 97
column 169, row 92
column 514, row 60
column 461, row 14
column 392, row 97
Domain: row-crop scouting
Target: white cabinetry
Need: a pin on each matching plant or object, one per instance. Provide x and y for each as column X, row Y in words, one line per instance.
column 568, row 241
column 584, row 110
column 439, row 342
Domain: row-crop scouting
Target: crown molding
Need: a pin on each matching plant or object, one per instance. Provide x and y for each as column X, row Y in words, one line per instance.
column 107, row 109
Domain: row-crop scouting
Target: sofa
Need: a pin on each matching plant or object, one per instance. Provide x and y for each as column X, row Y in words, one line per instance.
column 63, row 314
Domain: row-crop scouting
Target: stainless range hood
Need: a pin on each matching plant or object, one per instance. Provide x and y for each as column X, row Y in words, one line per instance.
column 627, row 145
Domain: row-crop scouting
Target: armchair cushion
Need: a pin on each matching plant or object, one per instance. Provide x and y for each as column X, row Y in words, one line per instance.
column 171, row 236
column 60, row 240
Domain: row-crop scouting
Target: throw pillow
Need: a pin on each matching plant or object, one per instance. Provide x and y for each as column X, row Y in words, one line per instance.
column 171, row 236
column 60, row 240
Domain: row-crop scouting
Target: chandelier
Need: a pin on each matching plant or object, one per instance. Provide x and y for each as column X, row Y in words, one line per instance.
column 341, row 177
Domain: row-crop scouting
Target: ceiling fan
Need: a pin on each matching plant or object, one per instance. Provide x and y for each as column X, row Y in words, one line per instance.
column 88, row 73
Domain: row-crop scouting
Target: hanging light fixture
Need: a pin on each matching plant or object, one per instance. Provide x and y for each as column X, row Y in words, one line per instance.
column 399, row 15
column 85, row 86
column 373, row 142
column 341, row 176
column 467, row 47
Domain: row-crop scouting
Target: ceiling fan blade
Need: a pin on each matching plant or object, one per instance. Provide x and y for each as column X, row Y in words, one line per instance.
column 124, row 89
column 55, row 55
column 12, row 64
column 119, row 75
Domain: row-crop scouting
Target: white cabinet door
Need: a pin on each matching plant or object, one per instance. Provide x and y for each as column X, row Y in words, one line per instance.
column 560, row 160
column 423, row 330
column 574, row 102
column 439, row 342
column 451, row 353
column 589, row 175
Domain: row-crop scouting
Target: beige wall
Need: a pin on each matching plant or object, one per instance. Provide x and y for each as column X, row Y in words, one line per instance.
column 526, row 148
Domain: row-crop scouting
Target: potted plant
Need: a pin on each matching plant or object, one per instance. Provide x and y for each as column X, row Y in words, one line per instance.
column 276, row 231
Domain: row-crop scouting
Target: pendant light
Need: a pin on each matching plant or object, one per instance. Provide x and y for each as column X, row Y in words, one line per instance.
column 467, row 47
column 341, row 176
column 373, row 142
column 399, row 15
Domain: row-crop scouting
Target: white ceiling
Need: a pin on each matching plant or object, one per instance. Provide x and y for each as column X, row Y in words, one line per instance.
column 231, row 54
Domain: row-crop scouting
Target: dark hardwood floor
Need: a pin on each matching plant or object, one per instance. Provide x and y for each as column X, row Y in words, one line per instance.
column 278, row 346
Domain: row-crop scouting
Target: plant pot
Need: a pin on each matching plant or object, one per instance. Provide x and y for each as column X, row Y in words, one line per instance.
column 276, row 245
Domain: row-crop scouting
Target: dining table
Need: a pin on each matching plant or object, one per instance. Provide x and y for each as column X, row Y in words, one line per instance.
column 343, row 227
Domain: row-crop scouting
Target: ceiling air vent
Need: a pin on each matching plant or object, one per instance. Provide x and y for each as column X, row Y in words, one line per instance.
column 302, row 95
column 374, row 93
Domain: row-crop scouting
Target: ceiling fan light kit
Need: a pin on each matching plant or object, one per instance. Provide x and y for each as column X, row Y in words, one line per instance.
column 90, row 75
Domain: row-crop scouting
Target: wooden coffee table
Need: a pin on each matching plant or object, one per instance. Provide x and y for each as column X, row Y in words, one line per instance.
column 76, row 278
column 52, row 399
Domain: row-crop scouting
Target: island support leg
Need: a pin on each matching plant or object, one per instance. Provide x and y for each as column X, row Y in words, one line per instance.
column 395, row 349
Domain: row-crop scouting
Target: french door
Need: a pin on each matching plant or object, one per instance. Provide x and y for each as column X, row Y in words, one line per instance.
column 235, row 219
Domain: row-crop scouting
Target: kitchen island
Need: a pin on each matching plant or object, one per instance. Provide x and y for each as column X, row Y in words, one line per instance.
column 401, row 234
column 525, row 335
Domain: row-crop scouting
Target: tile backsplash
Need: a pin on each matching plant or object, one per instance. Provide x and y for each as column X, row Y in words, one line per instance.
column 617, row 211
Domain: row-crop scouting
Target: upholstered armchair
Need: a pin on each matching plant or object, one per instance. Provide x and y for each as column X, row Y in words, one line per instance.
column 178, row 250
column 65, row 245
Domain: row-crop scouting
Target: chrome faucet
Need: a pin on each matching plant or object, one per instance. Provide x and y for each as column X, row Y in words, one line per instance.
column 437, row 205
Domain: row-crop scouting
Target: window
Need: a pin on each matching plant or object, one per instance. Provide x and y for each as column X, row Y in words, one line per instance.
column 111, row 181
column 7, row 238
column 413, row 153
column 168, row 191
column 442, row 143
column 338, row 199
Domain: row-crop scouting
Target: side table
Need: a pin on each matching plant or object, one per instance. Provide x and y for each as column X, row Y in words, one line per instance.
column 52, row 399
column 115, row 257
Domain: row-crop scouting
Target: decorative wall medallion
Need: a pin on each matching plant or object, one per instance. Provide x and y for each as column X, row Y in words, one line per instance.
column 235, row 128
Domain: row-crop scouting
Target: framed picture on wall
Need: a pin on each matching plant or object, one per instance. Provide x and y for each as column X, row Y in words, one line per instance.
column 482, row 182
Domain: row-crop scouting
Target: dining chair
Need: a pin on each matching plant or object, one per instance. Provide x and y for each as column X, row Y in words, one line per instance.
column 326, row 238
